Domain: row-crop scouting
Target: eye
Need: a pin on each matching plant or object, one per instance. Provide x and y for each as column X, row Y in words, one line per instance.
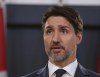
column 48, row 31
column 64, row 31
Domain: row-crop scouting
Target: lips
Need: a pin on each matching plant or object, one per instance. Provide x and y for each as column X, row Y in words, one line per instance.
column 56, row 48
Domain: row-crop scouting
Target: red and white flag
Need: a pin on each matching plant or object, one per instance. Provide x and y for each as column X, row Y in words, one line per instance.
column 3, row 69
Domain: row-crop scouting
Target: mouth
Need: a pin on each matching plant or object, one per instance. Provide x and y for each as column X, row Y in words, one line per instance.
column 56, row 49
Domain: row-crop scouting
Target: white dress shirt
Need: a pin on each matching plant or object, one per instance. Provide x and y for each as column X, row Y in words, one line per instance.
column 70, row 69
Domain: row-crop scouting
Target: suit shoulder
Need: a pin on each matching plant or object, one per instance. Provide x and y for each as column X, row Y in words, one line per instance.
column 87, row 72
column 32, row 74
column 93, row 74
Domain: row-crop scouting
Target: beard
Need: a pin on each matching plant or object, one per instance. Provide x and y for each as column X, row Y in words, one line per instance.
column 58, row 57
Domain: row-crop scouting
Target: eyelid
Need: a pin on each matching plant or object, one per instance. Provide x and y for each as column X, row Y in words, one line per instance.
column 48, row 31
column 64, row 30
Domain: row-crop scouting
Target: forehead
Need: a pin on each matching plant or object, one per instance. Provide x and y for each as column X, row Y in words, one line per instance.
column 57, row 21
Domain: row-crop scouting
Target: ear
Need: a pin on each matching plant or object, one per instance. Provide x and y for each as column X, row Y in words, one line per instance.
column 79, row 37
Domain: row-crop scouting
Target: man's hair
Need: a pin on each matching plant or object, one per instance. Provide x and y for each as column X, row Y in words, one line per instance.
column 68, row 13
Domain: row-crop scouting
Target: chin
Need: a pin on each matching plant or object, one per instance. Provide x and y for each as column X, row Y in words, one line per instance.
column 58, row 58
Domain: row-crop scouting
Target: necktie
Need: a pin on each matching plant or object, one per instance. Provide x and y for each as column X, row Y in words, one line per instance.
column 59, row 72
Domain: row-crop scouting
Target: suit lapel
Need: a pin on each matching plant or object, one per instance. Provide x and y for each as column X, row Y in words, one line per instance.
column 43, row 72
column 81, row 71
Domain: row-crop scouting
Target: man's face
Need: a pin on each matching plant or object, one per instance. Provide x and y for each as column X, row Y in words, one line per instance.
column 60, row 39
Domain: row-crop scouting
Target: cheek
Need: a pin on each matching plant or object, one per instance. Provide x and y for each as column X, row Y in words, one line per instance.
column 46, row 42
column 70, row 43
column 46, row 45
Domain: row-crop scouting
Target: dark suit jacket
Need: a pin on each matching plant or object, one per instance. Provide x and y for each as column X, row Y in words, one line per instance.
column 80, row 72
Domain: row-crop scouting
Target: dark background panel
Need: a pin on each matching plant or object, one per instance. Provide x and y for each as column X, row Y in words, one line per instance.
column 25, row 51
column 88, row 50
column 25, row 48
column 29, row 14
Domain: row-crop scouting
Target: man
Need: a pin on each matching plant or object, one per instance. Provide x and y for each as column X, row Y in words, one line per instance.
column 63, row 29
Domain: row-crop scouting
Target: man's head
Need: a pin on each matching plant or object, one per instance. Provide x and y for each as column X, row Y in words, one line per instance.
column 62, row 33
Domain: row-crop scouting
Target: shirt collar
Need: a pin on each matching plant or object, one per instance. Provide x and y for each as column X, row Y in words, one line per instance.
column 52, row 68
column 71, row 68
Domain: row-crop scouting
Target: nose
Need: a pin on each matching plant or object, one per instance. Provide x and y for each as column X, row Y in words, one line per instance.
column 56, row 38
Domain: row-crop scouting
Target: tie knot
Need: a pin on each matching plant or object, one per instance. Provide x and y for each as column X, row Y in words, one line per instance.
column 59, row 72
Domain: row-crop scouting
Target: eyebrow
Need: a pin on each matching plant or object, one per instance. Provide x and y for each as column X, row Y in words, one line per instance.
column 63, row 26
column 48, row 27
column 60, row 26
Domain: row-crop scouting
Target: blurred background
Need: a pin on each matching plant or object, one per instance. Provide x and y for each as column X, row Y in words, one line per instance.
column 24, row 36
